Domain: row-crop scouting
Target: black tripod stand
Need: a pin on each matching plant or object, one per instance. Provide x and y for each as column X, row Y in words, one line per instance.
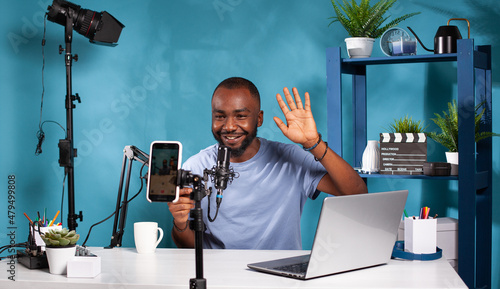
column 67, row 152
column 185, row 178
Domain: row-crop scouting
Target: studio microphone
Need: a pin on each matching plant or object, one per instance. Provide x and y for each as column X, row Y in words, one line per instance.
column 223, row 174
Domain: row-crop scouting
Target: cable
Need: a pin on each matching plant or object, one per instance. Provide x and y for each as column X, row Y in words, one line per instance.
column 216, row 212
column 43, row 66
column 125, row 202
column 18, row 245
column 62, row 198
column 41, row 134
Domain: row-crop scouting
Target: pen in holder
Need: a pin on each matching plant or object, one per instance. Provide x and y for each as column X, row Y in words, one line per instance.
column 420, row 235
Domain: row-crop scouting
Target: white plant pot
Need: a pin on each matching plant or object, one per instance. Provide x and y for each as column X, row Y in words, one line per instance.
column 58, row 258
column 452, row 158
column 359, row 47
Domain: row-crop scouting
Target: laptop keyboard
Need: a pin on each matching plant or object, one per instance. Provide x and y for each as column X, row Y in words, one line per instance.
column 294, row 268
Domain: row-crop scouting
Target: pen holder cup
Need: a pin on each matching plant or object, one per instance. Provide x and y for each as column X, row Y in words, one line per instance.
column 38, row 239
column 420, row 235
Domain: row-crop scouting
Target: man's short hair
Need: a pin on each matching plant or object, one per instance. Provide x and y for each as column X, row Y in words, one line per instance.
column 239, row 82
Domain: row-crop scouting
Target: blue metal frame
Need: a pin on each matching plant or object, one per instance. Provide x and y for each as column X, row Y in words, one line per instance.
column 475, row 173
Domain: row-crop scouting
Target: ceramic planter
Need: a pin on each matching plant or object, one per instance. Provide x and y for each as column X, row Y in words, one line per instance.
column 452, row 158
column 58, row 258
column 402, row 153
column 359, row 47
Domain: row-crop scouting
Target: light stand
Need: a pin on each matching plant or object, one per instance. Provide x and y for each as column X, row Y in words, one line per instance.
column 67, row 152
column 100, row 28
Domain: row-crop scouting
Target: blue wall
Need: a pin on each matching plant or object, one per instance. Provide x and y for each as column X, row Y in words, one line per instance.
column 157, row 83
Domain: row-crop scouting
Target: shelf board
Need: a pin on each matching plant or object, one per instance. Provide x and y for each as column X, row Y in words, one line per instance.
column 416, row 177
column 401, row 59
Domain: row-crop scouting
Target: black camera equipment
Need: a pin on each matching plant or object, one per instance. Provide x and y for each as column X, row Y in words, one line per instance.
column 100, row 28
column 221, row 175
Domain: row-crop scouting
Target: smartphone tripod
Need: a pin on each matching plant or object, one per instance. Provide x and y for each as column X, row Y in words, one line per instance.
column 185, row 178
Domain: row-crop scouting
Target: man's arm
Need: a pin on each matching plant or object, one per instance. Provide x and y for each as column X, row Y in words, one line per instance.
column 181, row 234
column 341, row 178
column 300, row 127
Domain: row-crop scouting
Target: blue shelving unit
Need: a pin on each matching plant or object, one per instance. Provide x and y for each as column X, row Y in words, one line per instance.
column 474, row 85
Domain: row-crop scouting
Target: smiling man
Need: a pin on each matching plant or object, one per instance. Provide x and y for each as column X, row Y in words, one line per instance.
column 263, row 206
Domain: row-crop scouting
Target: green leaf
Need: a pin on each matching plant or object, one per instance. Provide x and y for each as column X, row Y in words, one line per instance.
column 53, row 243
column 64, row 242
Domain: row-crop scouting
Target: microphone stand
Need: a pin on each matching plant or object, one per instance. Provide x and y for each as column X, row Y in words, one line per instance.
column 130, row 153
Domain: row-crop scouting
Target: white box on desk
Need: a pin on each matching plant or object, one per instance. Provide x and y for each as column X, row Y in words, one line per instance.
column 447, row 237
column 84, row 267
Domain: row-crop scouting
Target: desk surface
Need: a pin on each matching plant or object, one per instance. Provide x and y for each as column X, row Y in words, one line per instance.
column 173, row 268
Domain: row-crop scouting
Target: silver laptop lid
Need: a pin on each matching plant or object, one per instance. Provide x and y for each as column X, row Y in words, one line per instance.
column 356, row 231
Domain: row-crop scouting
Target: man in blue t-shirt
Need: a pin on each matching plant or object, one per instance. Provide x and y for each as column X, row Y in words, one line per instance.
column 263, row 206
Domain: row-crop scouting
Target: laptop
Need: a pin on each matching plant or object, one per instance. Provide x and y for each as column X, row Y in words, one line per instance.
column 353, row 232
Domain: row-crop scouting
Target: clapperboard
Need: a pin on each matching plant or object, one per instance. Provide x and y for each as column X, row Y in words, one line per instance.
column 402, row 153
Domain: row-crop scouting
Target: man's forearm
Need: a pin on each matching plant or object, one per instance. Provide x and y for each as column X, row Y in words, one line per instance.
column 183, row 236
column 342, row 178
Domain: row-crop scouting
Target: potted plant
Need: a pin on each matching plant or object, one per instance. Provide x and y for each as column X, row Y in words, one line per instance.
column 60, row 248
column 403, row 150
column 448, row 137
column 364, row 23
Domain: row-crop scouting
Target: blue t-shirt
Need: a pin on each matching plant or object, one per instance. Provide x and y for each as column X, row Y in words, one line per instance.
column 261, row 209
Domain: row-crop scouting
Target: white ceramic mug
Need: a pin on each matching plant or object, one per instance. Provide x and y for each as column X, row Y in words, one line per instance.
column 146, row 237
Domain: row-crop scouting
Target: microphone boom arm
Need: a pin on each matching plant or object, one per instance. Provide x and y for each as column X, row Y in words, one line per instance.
column 131, row 153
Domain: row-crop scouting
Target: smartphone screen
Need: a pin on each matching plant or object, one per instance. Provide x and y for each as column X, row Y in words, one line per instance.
column 164, row 165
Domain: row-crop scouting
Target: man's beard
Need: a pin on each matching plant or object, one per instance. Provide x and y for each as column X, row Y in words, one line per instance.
column 238, row 152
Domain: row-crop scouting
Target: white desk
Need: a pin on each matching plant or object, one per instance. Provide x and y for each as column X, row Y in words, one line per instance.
column 173, row 268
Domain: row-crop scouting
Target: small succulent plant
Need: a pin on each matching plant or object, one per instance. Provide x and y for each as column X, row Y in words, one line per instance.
column 60, row 238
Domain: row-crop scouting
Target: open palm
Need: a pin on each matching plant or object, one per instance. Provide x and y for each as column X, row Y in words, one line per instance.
column 300, row 126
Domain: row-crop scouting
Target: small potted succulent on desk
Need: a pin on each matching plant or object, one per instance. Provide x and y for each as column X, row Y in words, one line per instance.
column 364, row 23
column 448, row 137
column 60, row 248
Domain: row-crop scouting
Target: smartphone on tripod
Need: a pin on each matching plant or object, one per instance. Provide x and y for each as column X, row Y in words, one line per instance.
column 164, row 166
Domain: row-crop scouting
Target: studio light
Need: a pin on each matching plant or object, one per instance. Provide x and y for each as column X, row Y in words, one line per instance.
column 99, row 27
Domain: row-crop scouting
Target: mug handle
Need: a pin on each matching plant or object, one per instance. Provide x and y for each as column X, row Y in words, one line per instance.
column 161, row 237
